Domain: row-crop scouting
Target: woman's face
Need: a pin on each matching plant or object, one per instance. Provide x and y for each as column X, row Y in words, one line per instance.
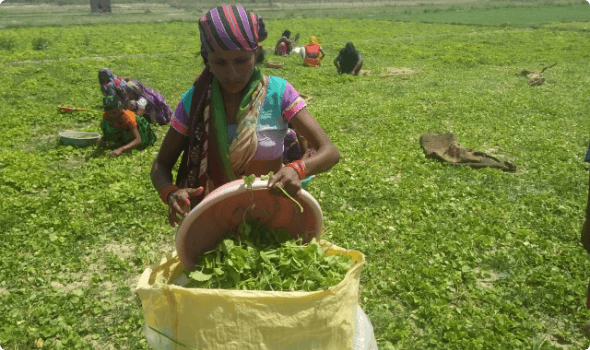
column 114, row 112
column 103, row 77
column 233, row 69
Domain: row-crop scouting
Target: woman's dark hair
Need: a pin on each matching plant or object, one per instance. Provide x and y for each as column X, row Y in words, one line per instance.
column 261, row 57
column 287, row 33
column 350, row 47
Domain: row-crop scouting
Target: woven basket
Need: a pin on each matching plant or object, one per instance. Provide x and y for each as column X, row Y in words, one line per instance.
column 274, row 64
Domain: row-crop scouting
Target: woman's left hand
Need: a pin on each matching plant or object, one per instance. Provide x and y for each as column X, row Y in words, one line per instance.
column 288, row 179
column 116, row 152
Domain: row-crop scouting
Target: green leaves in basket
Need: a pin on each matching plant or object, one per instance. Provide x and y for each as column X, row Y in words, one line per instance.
column 258, row 257
column 199, row 276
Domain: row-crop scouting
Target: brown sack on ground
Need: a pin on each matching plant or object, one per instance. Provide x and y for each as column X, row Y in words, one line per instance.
column 535, row 78
column 445, row 148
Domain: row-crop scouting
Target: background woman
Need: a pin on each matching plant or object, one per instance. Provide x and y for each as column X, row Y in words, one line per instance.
column 349, row 60
column 112, row 85
column 147, row 102
column 285, row 44
column 229, row 123
column 123, row 128
column 313, row 53
column 295, row 147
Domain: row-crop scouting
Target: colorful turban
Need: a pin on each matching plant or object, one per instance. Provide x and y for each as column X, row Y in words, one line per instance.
column 227, row 28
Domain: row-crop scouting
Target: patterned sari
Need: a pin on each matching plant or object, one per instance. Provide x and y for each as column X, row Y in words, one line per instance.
column 219, row 162
column 120, row 131
column 157, row 107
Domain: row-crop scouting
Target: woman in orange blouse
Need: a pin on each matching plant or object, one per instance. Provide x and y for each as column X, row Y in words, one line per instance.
column 313, row 53
column 123, row 128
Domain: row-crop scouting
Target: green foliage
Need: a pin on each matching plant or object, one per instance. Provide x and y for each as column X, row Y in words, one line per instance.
column 519, row 14
column 249, row 180
column 456, row 258
column 6, row 44
column 40, row 44
column 258, row 257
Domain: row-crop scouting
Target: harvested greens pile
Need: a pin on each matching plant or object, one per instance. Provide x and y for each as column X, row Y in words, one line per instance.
column 257, row 257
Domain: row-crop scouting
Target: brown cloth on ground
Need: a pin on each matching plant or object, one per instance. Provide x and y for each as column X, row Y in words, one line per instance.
column 445, row 147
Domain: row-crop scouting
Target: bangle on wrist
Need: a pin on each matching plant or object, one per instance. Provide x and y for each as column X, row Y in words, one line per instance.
column 299, row 167
column 165, row 192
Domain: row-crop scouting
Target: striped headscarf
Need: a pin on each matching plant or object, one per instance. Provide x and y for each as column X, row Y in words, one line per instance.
column 230, row 28
column 224, row 28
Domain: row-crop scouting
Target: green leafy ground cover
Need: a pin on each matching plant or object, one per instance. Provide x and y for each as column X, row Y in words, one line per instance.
column 456, row 258
column 495, row 12
column 492, row 13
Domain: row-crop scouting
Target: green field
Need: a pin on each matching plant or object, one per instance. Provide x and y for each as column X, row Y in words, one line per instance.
column 456, row 258
column 497, row 12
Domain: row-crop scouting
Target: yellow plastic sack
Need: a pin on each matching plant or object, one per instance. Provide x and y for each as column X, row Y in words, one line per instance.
column 219, row 319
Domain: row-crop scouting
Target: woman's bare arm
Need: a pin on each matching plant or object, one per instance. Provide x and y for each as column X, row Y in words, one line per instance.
column 131, row 145
column 326, row 154
column 167, row 157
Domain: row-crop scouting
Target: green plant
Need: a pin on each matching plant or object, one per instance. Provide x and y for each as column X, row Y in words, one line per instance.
column 6, row 44
column 457, row 258
column 40, row 44
column 258, row 257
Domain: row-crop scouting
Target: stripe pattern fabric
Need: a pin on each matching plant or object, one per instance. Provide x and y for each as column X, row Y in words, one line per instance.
column 227, row 28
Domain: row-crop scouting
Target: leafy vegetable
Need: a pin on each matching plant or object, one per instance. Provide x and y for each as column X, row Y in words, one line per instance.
column 257, row 257
column 249, row 180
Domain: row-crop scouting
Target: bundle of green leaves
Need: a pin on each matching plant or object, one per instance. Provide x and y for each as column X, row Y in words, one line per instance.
column 258, row 257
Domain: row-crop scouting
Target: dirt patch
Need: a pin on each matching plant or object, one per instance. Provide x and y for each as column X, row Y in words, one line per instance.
column 68, row 287
column 390, row 72
column 490, row 150
column 107, row 286
column 559, row 345
column 95, row 267
column 133, row 281
column 487, row 282
column 121, row 250
column 98, row 344
column 394, row 72
column 4, row 291
column 394, row 179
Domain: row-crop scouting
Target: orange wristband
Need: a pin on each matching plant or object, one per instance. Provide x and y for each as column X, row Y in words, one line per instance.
column 165, row 192
column 299, row 167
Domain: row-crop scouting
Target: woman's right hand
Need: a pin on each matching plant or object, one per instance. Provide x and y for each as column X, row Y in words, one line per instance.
column 179, row 204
